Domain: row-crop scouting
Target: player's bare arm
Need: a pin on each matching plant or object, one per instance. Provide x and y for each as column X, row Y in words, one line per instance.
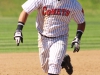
column 18, row 36
column 23, row 17
column 80, row 30
column 81, row 27
column 76, row 41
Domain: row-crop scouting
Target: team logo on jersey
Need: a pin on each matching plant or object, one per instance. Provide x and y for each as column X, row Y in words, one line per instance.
column 63, row 12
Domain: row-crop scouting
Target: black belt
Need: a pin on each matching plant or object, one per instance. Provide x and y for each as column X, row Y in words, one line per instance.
column 46, row 36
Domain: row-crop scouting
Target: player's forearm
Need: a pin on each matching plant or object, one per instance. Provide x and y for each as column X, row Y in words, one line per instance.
column 22, row 20
column 80, row 30
column 23, row 17
column 81, row 27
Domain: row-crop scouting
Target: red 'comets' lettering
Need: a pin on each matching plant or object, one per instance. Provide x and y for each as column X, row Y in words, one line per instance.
column 44, row 10
column 62, row 12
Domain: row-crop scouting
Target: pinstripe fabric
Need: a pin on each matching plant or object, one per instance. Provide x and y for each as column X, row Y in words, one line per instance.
column 52, row 21
column 55, row 24
column 51, row 52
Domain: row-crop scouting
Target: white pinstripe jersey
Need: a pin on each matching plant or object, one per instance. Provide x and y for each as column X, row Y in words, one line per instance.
column 54, row 16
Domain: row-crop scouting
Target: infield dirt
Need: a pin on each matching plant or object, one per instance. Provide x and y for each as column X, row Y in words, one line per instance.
column 84, row 63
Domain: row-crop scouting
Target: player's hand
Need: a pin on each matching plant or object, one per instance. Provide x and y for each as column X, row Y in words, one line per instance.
column 18, row 37
column 76, row 44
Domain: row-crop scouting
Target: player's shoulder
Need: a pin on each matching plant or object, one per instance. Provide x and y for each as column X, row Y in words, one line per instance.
column 35, row 0
column 77, row 5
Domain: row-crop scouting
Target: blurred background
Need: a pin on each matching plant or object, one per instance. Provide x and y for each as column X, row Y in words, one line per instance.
column 10, row 11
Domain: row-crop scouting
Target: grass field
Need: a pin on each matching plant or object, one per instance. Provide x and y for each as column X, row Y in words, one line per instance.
column 8, row 21
column 90, row 39
column 24, row 59
column 12, row 8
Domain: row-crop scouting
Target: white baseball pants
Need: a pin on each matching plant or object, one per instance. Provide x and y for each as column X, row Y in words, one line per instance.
column 52, row 52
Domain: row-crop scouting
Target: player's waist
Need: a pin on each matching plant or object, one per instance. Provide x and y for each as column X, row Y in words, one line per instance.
column 46, row 36
column 52, row 35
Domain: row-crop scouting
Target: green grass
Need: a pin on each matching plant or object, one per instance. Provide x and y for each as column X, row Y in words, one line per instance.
column 10, row 10
column 7, row 29
column 90, row 39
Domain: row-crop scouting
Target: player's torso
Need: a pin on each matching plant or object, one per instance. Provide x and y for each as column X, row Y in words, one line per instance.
column 58, row 9
column 56, row 16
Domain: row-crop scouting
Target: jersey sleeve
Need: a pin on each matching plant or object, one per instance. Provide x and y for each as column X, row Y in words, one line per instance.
column 31, row 5
column 78, row 16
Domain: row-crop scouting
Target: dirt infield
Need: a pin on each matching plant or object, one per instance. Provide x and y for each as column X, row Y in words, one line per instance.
column 84, row 63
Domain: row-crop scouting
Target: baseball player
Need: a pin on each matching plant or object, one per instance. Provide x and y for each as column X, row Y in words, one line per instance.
column 52, row 24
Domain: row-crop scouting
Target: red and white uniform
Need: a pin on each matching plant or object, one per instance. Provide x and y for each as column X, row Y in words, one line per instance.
column 52, row 21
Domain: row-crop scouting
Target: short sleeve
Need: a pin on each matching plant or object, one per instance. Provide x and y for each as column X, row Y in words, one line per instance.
column 78, row 16
column 31, row 5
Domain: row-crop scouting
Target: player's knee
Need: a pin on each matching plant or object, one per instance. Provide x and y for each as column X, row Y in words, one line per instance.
column 54, row 68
